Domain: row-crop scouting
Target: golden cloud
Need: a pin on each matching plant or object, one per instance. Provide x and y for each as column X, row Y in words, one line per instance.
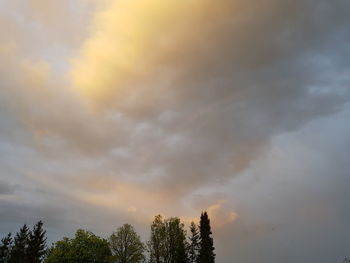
column 134, row 42
column 219, row 215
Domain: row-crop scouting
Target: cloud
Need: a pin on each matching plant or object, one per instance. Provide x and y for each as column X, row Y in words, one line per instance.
column 139, row 54
column 221, row 216
column 232, row 75
column 184, row 102
column 180, row 104
column 6, row 189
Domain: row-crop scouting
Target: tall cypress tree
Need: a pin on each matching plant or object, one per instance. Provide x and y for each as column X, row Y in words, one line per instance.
column 36, row 244
column 19, row 250
column 193, row 246
column 206, row 252
column 5, row 248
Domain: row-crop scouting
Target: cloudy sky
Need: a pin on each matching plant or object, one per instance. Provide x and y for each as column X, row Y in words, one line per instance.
column 113, row 111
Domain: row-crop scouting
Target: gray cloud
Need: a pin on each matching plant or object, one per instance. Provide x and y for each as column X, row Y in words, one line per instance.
column 6, row 189
column 219, row 108
column 294, row 199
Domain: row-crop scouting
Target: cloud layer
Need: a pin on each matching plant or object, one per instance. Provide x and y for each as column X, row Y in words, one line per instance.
column 121, row 110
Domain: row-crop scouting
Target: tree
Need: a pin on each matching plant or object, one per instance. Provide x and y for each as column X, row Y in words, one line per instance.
column 126, row 245
column 176, row 244
column 36, row 244
column 156, row 244
column 168, row 241
column 206, row 252
column 193, row 246
column 5, row 248
column 85, row 247
column 60, row 252
column 19, row 249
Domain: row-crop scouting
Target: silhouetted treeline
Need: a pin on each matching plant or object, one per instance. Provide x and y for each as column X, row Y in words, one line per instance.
column 168, row 243
column 27, row 246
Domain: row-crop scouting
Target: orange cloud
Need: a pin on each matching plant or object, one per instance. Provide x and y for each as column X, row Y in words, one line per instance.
column 219, row 215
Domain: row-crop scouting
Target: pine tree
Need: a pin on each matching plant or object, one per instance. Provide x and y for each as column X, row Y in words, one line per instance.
column 36, row 244
column 193, row 246
column 206, row 252
column 19, row 250
column 5, row 248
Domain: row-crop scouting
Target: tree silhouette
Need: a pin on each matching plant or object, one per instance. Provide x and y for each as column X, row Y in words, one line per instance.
column 168, row 244
column 5, row 248
column 206, row 252
column 36, row 244
column 126, row 245
column 19, row 249
column 176, row 236
column 193, row 246
column 156, row 244
column 168, row 241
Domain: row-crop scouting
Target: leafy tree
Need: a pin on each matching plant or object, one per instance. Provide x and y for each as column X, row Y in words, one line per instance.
column 176, row 236
column 19, row 249
column 156, row 244
column 206, row 252
column 61, row 251
column 126, row 245
column 168, row 241
column 36, row 244
column 193, row 246
column 85, row 247
column 5, row 248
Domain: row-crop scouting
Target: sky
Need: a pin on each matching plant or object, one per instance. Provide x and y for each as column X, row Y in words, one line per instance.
column 114, row 111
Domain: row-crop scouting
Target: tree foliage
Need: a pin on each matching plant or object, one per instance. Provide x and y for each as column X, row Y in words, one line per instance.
column 168, row 241
column 157, row 243
column 19, row 249
column 206, row 252
column 28, row 246
column 176, row 240
column 85, row 247
column 5, row 248
column 126, row 245
column 36, row 244
column 193, row 244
